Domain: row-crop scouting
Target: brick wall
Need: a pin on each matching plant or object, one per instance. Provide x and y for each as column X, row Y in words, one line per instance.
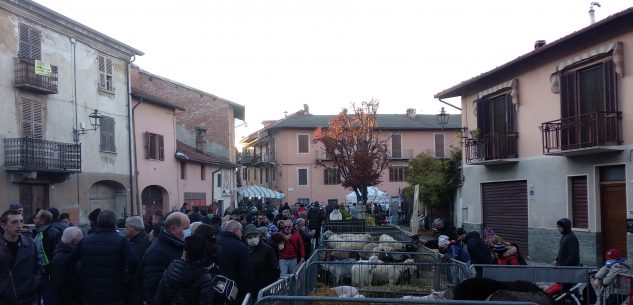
column 201, row 110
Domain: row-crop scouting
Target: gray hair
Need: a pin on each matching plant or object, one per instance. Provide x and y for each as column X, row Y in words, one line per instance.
column 301, row 221
column 232, row 225
column 70, row 234
column 193, row 226
column 136, row 222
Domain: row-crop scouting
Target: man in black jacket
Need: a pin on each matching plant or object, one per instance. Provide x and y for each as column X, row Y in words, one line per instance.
column 478, row 251
column 46, row 237
column 165, row 249
column 106, row 259
column 233, row 258
column 66, row 287
column 18, row 261
column 568, row 249
column 315, row 219
column 135, row 232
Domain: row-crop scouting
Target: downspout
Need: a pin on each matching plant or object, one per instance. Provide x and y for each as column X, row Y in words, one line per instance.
column 131, row 134
column 76, row 121
column 213, row 185
column 460, row 109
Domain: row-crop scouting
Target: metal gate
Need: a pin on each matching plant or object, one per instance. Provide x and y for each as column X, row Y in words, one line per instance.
column 505, row 211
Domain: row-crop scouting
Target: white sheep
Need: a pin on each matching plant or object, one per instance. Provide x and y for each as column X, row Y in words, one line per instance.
column 388, row 241
column 347, row 292
column 435, row 295
column 347, row 241
column 368, row 247
column 391, row 273
column 339, row 271
column 361, row 274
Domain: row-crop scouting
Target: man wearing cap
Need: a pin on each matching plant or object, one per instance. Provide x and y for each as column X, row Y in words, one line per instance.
column 18, row 261
column 16, row 207
column 265, row 264
column 607, row 275
column 293, row 250
column 233, row 258
column 93, row 220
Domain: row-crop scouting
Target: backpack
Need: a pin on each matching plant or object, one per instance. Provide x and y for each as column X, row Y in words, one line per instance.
column 225, row 288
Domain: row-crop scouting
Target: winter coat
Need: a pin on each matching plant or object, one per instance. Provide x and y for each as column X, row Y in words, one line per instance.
column 315, row 218
column 293, row 248
column 17, row 282
column 156, row 260
column 265, row 266
column 508, row 260
column 185, row 283
column 478, row 251
column 195, row 216
column 235, row 262
column 307, row 241
column 106, row 258
column 608, row 275
column 50, row 236
column 457, row 253
column 65, row 279
column 568, row 249
column 134, row 287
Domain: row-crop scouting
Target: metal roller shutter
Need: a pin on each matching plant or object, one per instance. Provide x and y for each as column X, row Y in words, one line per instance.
column 505, row 211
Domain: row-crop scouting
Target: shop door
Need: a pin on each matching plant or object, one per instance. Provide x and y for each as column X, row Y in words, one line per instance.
column 33, row 197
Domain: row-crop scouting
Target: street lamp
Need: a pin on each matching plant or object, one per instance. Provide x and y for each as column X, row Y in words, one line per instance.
column 442, row 118
column 95, row 122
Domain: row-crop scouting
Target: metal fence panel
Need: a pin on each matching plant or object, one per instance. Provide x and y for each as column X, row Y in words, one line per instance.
column 558, row 274
column 312, row 300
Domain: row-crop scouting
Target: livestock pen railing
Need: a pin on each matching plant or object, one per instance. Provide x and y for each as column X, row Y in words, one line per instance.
column 619, row 291
column 345, row 226
column 359, row 239
column 313, row 300
column 292, row 284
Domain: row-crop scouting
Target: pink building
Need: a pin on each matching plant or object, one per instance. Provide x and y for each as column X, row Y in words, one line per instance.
column 282, row 157
column 174, row 164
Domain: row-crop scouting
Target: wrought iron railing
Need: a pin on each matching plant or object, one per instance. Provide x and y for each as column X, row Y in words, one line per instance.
column 494, row 146
column 582, row 131
column 41, row 155
column 27, row 78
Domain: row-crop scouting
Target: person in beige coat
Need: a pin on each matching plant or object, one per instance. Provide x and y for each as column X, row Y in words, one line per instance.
column 607, row 278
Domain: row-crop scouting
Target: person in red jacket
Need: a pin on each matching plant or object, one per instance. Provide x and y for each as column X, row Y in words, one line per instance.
column 292, row 250
column 500, row 250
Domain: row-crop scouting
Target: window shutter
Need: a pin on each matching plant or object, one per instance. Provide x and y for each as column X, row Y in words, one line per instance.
column 579, row 200
column 161, row 148
column 610, row 88
column 439, row 145
column 102, row 76
column 325, row 176
column 27, row 118
column 36, row 43
column 568, row 95
column 303, row 143
column 30, row 42
column 484, row 120
column 146, row 144
column 111, row 145
column 396, row 146
column 510, row 114
column 107, row 135
column 108, row 72
column 391, row 174
column 38, row 120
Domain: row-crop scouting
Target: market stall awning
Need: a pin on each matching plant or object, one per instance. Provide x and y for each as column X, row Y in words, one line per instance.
column 259, row 191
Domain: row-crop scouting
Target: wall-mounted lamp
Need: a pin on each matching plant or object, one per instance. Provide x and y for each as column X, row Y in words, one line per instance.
column 464, row 132
column 95, row 122
column 442, row 118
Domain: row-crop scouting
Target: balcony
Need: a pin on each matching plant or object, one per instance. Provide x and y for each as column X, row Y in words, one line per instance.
column 264, row 159
column 28, row 154
column 405, row 154
column 490, row 149
column 590, row 133
column 41, row 78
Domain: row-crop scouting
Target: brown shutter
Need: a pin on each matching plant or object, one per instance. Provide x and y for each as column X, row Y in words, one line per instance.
column 580, row 218
column 38, row 120
column 610, row 88
column 439, row 145
column 568, row 95
column 111, row 142
column 146, row 144
column 303, row 143
column 107, row 134
column 25, row 41
column 391, row 174
column 484, row 120
column 325, row 175
column 396, row 146
column 510, row 114
column 161, row 148
column 36, row 43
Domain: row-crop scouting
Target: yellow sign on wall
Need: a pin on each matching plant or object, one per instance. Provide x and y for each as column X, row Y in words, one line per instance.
column 42, row 68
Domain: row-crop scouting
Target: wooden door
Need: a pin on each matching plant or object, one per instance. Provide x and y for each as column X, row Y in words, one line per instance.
column 613, row 208
column 32, row 197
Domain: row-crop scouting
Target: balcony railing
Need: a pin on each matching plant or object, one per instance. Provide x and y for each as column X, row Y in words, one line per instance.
column 30, row 154
column 44, row 81
column 582, row 131
column 405, row 154
column 495, row 146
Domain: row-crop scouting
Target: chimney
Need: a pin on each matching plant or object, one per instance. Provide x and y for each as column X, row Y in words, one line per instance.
column 411, row 113
column 200, row 138
column 539, row 44
column 306, row 109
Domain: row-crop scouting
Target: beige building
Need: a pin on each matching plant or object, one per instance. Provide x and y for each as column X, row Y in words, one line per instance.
column 57, row 151
column 550, row 138
column 282, row 156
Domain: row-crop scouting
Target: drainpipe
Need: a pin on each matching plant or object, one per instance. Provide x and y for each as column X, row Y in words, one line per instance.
column 131, row 135
column 213, row 184
column 76, row 120
column 460, row 109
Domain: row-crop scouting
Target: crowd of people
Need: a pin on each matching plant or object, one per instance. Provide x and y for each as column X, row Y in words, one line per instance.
column 184, row 257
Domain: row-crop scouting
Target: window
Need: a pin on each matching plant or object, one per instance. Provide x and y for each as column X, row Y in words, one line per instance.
column 397, row 173
column 331, row 176
column 305, row 201
column 302, row 176
column 266, row 175
column 154, row 146
column 183, row 170
column 105, row 73
column 303, row 141
column 245, row 174
column 32, row 119
column 588, row 103
column 332, row 201
column 396, row 146
column 579, row 210
column 107, row 134
column 203, row 172
column 439, row 145
column 495, row 121
column 219, row 183
column 30, row 42
column 261, row 175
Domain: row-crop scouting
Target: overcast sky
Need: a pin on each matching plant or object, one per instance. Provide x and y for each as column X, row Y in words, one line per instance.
column 273, row 56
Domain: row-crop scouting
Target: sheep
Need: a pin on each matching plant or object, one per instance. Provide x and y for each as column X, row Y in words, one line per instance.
column 347, row 292
column 391, row 273
column 340, row 271
column 347, row 241
column 368, row 247
column 361, row 274
column 388, row 241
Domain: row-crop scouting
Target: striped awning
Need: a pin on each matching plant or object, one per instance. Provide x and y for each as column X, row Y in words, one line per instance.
column 259, row 191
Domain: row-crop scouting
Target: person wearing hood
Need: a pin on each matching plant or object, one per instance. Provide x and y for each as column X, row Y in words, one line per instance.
column 568, row 249
column 607, row 277
column 336, row 214
column 92, row 217
column 263, row 259
column 478, row 251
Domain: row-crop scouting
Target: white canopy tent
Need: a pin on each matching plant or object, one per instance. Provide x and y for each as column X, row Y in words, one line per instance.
column 374, row 195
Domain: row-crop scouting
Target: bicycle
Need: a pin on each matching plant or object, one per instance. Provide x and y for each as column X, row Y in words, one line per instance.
column 579, row 294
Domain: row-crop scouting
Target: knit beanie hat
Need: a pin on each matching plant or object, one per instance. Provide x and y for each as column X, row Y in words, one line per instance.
column 443, row 241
